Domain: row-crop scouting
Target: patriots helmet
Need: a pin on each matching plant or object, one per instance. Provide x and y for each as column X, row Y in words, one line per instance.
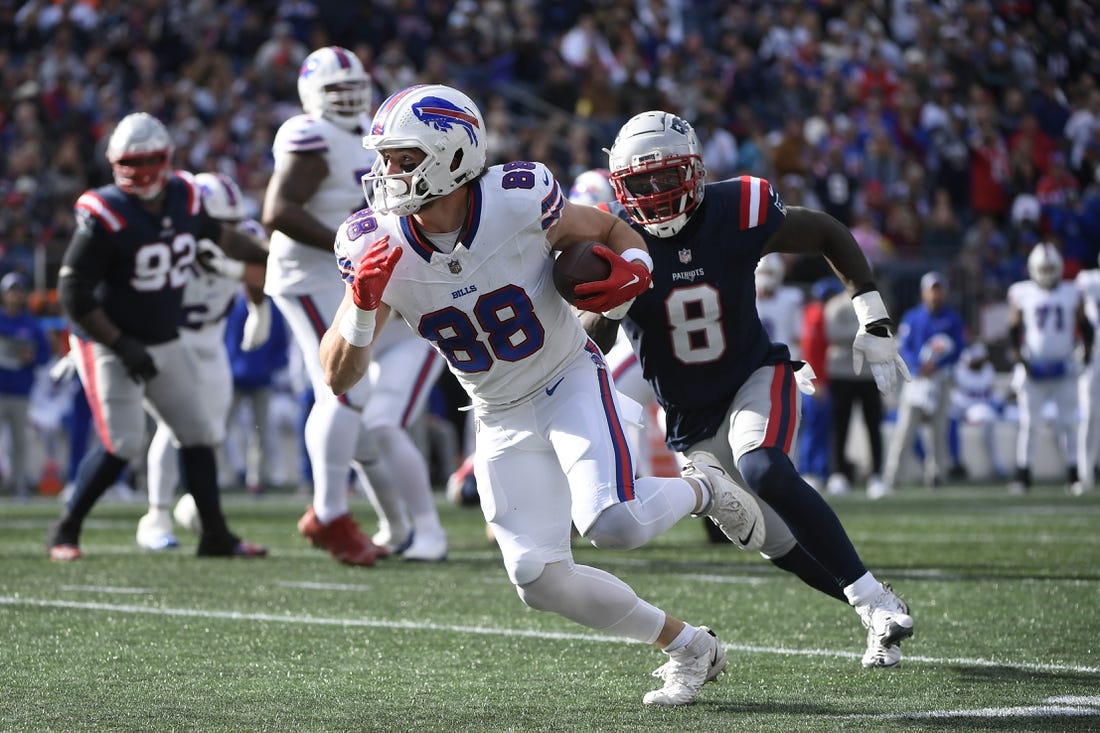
column 221, row 196
column 442, row 122
column 1044, row 265
column 333, row 84
column 140, row 153
column 592, row 187
column 657, row 171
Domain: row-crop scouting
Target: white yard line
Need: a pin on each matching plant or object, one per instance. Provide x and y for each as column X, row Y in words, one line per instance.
column 1063, row 705
column 497, row 631
column 108, row 589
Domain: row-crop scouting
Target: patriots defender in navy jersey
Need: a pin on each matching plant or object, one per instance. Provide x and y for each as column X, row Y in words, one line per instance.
column 731, row 396
column 121, row 283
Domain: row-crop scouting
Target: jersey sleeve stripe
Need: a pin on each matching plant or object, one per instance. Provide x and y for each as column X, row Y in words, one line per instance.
column 754, row 201
column 194, row 194
column 624, row 467
column 309, row 143
column 552, row 206
column 94, row 204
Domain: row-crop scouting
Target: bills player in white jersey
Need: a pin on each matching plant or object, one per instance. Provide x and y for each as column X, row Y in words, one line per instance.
column 974, row 402
column 1088, row 387
column 207, row 298
column 315, row 184
column 1044, row 314
column 466, row 251
column 779, row 305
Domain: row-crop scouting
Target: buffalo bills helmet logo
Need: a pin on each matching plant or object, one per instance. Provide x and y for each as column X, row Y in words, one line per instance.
column 443, row 115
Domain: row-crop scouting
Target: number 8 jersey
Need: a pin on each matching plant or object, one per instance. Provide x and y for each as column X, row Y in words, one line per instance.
column 488, row 305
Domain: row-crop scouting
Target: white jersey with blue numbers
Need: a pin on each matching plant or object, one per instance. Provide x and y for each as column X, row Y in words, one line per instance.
column 489, row 307
column 294, row 268
column 1088, row 282
column 1049, row 318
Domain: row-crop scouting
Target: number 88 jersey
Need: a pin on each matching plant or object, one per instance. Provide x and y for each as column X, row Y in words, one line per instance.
column 489, row 305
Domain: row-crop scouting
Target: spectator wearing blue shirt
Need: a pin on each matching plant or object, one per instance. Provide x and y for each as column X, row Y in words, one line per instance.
column 931, row 339
column 23, row 348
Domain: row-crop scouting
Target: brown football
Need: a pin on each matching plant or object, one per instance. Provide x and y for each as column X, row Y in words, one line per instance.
column 576, row 265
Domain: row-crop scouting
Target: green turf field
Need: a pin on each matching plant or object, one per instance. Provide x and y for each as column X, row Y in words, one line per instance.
column 1005, row 591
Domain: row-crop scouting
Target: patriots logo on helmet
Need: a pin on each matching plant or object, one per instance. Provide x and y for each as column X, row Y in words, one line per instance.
column 442, row 115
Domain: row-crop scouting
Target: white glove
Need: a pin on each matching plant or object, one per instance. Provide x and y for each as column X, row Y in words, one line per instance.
column 212, row 259
column 804, row 378
column 879, row 351
column 63, row 369
column 257, row 325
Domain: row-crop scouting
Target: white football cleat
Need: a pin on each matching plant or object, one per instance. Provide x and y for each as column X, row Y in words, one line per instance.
column 733, row 509
column 688, row 669
column 154, row 531
column 427, row 547
column 877, row 488
column 187, row 514
column 394, row 540
column 887, row 620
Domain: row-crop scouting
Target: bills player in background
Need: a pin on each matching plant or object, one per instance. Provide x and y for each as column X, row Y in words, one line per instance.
column 728, row 390
column 207, row 298
column 1088, row 388
column 779, row 305
column 974, row 402
column 931, row 335
column 319, row 161
column 1044, row 315
column 121, row 283
column 467, row 253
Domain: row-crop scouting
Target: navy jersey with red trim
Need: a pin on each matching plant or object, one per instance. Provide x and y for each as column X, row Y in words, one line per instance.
column 697, row 332
column 137, row 261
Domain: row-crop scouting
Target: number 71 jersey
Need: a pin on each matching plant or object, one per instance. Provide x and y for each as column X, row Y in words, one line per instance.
column 489, row 306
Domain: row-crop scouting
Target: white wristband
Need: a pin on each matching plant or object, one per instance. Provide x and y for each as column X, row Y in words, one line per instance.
column 638, row 254
column 869, row 307
column 357, row 326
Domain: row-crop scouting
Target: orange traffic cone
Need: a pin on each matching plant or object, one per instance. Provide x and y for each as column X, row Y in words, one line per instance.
column 50, row 484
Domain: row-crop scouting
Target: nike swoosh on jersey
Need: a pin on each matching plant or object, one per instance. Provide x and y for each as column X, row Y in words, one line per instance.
column 550, row 389
column 745, row 540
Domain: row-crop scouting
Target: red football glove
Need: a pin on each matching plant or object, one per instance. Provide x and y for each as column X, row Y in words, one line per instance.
column 373, row 272
column 628, row 280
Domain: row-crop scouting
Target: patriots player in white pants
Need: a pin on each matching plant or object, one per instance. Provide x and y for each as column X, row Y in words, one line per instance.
column 466, row 251
column 207, row 298
column 1044, row 314
column 1088, row 387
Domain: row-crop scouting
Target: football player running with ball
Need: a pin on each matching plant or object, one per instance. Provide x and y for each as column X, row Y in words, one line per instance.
column 121, row 282
column 463, row 253
column 731, row 395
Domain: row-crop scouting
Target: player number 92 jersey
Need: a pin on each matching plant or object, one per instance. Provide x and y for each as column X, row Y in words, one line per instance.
column 489, row 306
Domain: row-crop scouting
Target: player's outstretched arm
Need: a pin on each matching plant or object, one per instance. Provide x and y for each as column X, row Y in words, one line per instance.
column 807, row 231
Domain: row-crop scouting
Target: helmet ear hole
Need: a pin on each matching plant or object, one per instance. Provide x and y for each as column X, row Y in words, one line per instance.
column 456, row 161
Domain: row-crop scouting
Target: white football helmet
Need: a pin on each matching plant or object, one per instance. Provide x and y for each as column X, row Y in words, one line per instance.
column 657, row 171
column 442, row 122
column 332, row 84
column 1044, row 265
column 592, row 187
column 221, row 196
column 770, row 271
column 140, row 153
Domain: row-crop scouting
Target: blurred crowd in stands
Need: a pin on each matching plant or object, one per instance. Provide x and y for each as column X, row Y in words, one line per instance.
column 949, row 134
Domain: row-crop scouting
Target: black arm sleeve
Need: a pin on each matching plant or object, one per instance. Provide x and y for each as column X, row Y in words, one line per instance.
column 82, row 268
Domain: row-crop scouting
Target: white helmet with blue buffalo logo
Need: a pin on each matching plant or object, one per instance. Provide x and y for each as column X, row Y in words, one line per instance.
column 441, row 121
